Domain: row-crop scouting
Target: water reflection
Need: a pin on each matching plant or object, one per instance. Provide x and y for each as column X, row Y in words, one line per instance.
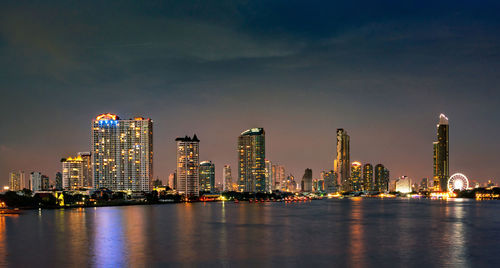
column 3, row 242
column 356, row 244
column 109, row 241
column 457, row 233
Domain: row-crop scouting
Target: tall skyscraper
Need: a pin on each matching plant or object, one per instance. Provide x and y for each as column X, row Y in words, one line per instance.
column 17, row 181
column 188, row 165
column 342, row 162
column 441, row 162
column 307, row 180
column 355, row 181
column 122, row 153
column 228, row 179
column 269, row 176
column 368, row 177
column 35, row 181
column 87, row 179
column 278, row 176
column 251, row 156
column 379, row 178
column 207, row 176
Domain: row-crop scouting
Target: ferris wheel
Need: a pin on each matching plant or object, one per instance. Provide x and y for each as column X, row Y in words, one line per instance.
column 458, row 181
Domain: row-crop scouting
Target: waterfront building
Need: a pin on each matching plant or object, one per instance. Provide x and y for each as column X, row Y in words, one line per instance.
column 172, row 180
column 403, row 184
column 251, row 156
column 188, row 165
column 72, row 173
column 289, row 185
column 342, row 162
column 207, row 176
column 36, row 181
column 122, row 153
column 87, row 180
column 228, row 179
column 368, row 177
column 269, row 176
column 17, row 181
column 441, row 150
column 330, row 181
column 381, row 181
column 318, row 185
column 58, row 181
column 355, row 180
column 278, row 172
column 307, row 180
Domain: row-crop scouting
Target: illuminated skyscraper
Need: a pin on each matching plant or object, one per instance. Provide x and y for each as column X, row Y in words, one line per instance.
column 86, row 168
column 307, row 180
column 269, row 176
column 207, row 176
column 38, row 182
column 122, row 153
column 228, row 179
column 278, row 174
column 188, row 165
column 17, row 181
column 356, row 182
column 330, row 181
column 72, row 173
column 251, row 156
column 342, row 162
column 368, row 177
column 381, row 182
column 441, row 162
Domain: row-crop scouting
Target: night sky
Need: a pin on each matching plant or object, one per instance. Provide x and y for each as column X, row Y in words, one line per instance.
column 382, row 70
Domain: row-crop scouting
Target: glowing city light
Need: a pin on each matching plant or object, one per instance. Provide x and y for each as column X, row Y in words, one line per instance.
column 458, row 181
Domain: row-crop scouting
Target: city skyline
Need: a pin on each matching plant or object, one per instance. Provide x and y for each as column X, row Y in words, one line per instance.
column 382, row 74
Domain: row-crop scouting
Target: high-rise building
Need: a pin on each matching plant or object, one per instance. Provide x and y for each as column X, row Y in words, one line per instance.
column 381, row 182
column 87, row 179
column 342, row 162
column 188, row 166
column 122, row 153
column 172, row 180
column 59, row 181
column 330, row 181
column 72, row 173
column 278, row 172
column 251, row 156
column 424, row 184
column 228, row 179
column 17, row 181
column 355, row 181
column 35, row 181
column 307, row 180
column 207, row 176
column 441, row 161
column 368, row 177
column 269, row 176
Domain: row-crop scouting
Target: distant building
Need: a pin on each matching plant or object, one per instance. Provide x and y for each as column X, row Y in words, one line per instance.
column 36, row 182
column 269, row 176
column 251, row 156
column 172, row 180
column 355, row 181
column 188, row 166
column 318, row 185
column 441, row 160
column 207, row 176
column 330, row 181
column 157, row 183
column 307, row 180
column 289, row 185
column 228, row 179
column 381, row 181
column 72, row 173
column 424, row 184
column 368, row 177
column 58, row 181
column 17, row 181
column 122, row 153
column 86, row 169
column 403, row 184
column 278, row 172
column 341, row 163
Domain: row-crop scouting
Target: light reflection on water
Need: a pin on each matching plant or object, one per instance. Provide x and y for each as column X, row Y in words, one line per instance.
column 363, row 233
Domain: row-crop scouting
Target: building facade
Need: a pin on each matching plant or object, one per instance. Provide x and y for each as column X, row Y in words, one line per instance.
column 17, row 181
column 122, row 153
column 441, row 158
column 269, row 176
column 188, row 166
column 251, row 159
column 356, row 181
column 381, row 180
column 403, row 184
column 307, row 180
column 342, row 161
column 172, row 180
column 72, row 173
column 330, row 181
column 278, row 173
column 228, row 178
column 207, row 176
column 368, row 184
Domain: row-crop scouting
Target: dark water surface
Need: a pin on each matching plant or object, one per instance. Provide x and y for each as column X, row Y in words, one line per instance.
column 363, row 233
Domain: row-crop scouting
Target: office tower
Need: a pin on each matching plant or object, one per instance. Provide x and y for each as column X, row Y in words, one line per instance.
column 72, row 173
column 403, row 184
column 441, row 162
column 172, row 180
column 307, row 180
column 330, row 181
column 379, row 182
column 59, row 181
column 385, row 179
column 228, row 179
column 278, row 173
column 188, row 166
column 424, row 184
column 355, row 180
column 35, row 181
column 207, row 176
column 17, row 181
column 342, row 162
column 251, row 156
column 368, row 177
column 87, row 180
column 122, row 153
column 269, row 176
